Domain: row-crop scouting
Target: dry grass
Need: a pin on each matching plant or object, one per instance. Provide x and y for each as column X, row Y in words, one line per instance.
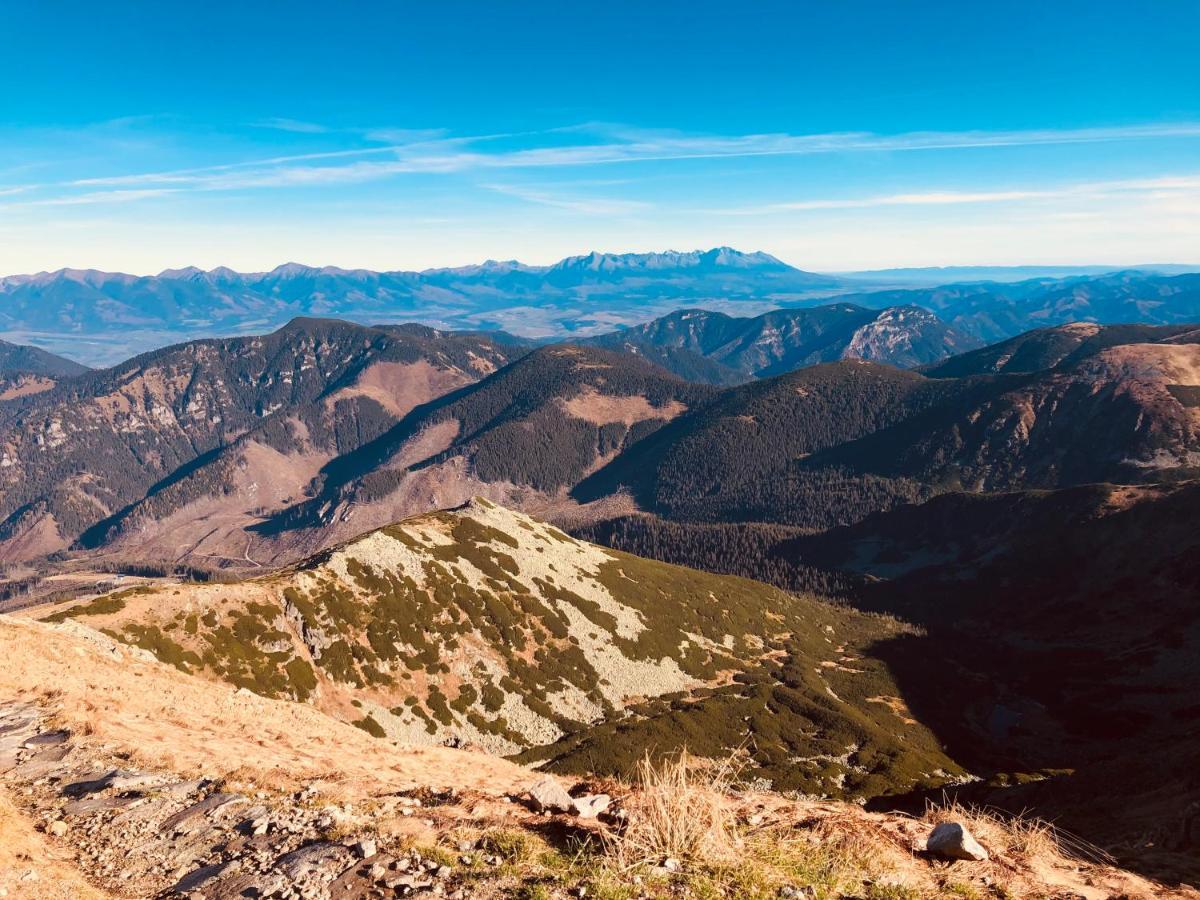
column 169, row 720
column 680, row 811
column 1016, row 836
column 31, row 867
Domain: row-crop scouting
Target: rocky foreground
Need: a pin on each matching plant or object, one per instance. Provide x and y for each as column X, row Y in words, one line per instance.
column 123, row 777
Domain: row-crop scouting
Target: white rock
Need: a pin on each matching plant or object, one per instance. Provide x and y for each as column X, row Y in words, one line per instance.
column 590, row 806
column 550, row 796
column 951, row 840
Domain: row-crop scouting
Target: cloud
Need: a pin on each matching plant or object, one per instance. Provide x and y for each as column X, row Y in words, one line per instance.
column 94, row 197
column 591, row 205
column 432, row 152
column 401, row 136
column 1150, row 187
column 292, row 125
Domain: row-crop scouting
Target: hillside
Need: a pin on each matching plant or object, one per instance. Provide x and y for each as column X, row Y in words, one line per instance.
column 26, row 370
column 522, row 436
column 736, row 459
column 485, row 627
column 1046, row 348
column 327, row 429
column 1125, row 414
column 991, row 311
column 783, row 340
column 182, row 785
column 1072, row 618
column 827, row 445
column 21, row 359
column 255, row 417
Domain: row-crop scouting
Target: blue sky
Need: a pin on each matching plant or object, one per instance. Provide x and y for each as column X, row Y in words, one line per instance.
column 138, row 136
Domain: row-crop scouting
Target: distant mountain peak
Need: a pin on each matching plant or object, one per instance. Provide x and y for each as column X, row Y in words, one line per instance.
column 717, row 257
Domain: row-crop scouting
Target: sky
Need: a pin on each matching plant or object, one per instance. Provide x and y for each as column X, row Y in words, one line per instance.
column 137, row 136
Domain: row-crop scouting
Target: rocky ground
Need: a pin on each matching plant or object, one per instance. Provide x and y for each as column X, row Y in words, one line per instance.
column 122, row 777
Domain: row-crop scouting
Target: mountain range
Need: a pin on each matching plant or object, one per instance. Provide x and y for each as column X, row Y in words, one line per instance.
column 261, row 449
column 324, row 415
column 101, row 318
column 1013, row 518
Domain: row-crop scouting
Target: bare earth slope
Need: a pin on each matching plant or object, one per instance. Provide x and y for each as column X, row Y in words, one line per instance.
column 99, row 455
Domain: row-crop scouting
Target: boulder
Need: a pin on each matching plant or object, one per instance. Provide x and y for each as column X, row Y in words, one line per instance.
column 550, row 796
column 951, row 840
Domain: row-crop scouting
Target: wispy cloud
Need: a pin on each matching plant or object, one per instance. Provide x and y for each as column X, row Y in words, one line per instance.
column 401, row 136
column 432, row 152
column 293, row 125
column 92, row 198
column 1099, row 189
column 591, row 205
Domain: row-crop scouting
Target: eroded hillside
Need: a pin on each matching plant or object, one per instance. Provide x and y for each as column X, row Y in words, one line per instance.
column 211, row 432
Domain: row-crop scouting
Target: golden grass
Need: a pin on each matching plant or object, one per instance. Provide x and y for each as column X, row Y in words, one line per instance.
column 680, row 811
column 1016, row 836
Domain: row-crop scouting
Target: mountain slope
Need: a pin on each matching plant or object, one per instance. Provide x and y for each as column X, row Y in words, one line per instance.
column 206, row 791
column 992, row 312
column 1126, row 414
column 735, row 459
column 26, row 370
column 485, row 626
column 1046, row 348
column 827, row 445
column 1072, row 619
column 784, row 340
column 522, row 436
column 21, row 359
column 74, row 457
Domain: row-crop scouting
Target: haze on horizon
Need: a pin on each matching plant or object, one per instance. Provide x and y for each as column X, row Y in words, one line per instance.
column 869, row 135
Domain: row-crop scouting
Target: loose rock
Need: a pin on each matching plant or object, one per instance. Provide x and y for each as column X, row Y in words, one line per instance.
column 951, row 840
column 590, row 806
column 550, row 796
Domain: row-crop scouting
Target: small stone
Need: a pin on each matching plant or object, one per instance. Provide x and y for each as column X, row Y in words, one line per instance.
column 590, row 806
column 671, row 864
column 443, row 871
column 466, row 846
column 548, row 795
column 366, row 848
column 58, row 828
column 951, row 840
